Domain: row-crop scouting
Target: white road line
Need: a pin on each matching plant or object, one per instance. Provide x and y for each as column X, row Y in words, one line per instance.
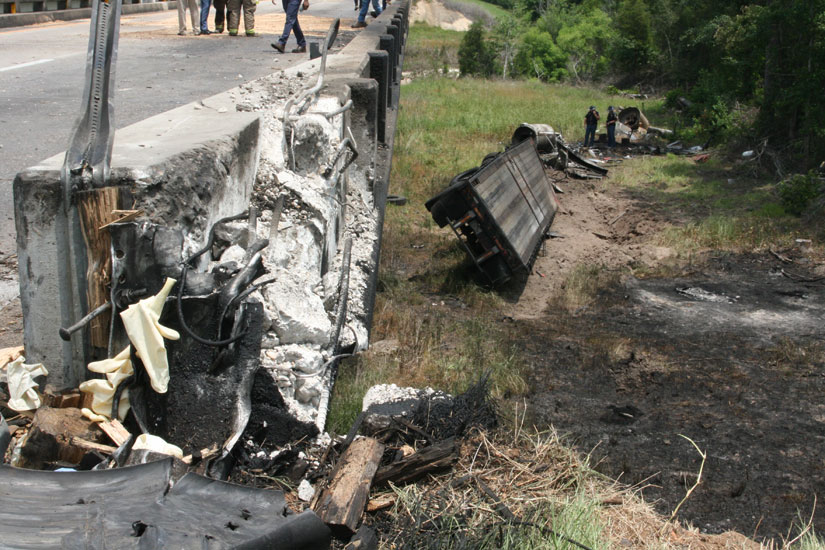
column 21, row 65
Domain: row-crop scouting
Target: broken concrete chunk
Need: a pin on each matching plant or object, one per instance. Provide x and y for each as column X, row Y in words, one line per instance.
column 308, row 390
column 302, row 318
column 313, row 143
column 234, row 253
column 305, row 490
column 22, row 387
column 384, row 401
column 297, row 358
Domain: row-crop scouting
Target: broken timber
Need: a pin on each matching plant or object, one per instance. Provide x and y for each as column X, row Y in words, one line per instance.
column 342, row 502
column 428, row 460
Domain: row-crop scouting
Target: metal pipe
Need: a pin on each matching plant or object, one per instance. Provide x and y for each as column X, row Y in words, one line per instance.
column 66, row 333
column 343, row 293
column 345, row 107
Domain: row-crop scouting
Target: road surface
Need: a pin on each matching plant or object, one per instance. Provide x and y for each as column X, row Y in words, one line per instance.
column 42, row 73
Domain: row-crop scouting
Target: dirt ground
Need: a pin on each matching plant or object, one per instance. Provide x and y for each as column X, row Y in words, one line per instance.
column 726, row 350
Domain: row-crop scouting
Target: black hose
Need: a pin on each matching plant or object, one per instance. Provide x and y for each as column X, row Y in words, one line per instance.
column 210, row 241
column 185, row 327
column 240, row 297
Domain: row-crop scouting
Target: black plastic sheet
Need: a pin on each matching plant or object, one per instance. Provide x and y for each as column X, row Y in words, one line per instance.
column 133, row 508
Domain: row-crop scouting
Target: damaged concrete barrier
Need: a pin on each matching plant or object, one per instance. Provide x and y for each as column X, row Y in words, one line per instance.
column 300, row 149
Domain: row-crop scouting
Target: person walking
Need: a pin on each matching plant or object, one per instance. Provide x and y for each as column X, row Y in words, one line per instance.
column 221, row 14
column 611, row 126
column 234, row 15
column 362, row 15
column 205, row 4
column 291, row 25
column 193, row 15
column 591, row 122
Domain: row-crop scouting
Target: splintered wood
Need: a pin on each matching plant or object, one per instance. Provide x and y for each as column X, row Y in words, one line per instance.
column 96, row 209
column 342, row 502
column 428, row 460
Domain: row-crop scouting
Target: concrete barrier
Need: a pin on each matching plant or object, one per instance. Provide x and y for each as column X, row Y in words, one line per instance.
column 34, row 12
column 190, row 166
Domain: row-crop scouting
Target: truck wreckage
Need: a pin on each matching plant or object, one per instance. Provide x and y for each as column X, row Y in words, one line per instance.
column 502, row 210
column 182, row 330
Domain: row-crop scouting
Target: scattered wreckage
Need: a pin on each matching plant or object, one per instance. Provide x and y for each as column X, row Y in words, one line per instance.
column 502, row 210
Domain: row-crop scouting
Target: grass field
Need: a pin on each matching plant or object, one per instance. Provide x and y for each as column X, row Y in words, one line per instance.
column 443, row 330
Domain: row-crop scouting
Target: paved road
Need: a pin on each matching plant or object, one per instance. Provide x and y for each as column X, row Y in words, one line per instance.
column 42, row 71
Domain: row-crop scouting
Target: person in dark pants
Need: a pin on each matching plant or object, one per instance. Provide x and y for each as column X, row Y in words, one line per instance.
column 291, row 25
column 221, row 14
column 591, row 122
column 611, row 126
column 205, row 4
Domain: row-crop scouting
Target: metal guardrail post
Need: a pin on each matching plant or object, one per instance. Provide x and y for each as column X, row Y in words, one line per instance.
column 379, row 70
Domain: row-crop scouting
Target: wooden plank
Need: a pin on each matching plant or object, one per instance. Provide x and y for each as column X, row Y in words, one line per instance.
column 7, row 355
column 116, row 432
column 341, row 504
column 87, row 445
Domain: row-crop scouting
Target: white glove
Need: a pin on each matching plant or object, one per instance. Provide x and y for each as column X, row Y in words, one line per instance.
column 20, row 378
column 157, row 444
column 116, row 369
column 141, row 321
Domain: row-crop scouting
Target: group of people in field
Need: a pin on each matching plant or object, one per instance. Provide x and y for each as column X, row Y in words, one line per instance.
column 591, row 123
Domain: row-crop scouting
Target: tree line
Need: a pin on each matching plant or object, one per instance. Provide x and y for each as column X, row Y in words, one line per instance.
column 756, row 69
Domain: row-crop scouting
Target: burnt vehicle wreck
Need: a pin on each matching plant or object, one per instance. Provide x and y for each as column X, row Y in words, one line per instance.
column 500, row 211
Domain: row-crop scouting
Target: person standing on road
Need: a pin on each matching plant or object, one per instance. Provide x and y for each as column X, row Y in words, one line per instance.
column 362, row 15
column 193, row 15
column 205, row 4
column 248, row 7
column 611, row 126
column 221, row 14
column 291, row 25
column 591, row 122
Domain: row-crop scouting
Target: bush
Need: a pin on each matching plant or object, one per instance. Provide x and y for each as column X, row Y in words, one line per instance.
column 799, row 191
column 540, row 57
column 475, row 55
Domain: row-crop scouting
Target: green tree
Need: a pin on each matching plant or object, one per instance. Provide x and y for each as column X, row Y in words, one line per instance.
column 587, row 44
column 475, row 55
column 507, row 33
column 540, row 57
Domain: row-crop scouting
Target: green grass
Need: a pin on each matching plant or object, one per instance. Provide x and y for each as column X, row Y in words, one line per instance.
column 711, row 205
column 431, row 49
column 446, row 126
column 492, row 9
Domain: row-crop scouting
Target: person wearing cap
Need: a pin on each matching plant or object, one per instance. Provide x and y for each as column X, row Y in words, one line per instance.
column 591, row 122
column 611, row 126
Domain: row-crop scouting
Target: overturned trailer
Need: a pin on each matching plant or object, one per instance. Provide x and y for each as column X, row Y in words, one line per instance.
column 499, row 211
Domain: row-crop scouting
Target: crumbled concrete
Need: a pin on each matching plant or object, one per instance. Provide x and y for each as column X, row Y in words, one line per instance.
column 383, row 401
column 304, row 256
